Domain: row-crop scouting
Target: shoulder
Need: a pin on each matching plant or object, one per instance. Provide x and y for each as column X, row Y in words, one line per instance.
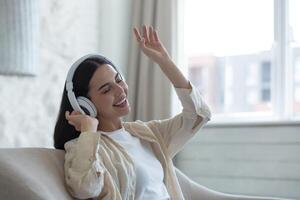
column 139, row 128
column 71, row 143
column 135, row 124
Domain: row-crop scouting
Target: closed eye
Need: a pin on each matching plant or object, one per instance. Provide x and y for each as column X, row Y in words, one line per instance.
column 118, row 79
column 107, row 90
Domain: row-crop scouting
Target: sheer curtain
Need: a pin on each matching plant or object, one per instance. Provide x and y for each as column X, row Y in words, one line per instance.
column 149, row 89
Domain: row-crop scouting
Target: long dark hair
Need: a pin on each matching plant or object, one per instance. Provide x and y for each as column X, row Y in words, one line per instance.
column 63, row 131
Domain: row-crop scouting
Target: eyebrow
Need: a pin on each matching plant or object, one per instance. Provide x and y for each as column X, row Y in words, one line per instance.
column 105, row 84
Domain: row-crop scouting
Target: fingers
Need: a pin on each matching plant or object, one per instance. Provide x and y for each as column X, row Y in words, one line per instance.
column 71, row 119
column 151, row 34
column 137, row 34
column 139, row 38
column 75, row 112
column 155, row 36
column 67, row 115
column 148, row 34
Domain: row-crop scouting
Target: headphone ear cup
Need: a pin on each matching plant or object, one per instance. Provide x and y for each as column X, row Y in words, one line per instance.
column 87, row 106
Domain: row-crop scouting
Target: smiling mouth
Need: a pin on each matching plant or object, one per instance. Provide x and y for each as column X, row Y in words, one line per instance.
column 121, row 103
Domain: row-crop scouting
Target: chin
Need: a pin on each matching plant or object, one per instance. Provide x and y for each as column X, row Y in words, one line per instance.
column 126, row 112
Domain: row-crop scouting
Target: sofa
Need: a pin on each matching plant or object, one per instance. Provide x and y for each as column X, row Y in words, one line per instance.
column 37, row 173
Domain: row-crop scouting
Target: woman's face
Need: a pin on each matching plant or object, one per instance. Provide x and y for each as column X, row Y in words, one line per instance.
column 107, row 90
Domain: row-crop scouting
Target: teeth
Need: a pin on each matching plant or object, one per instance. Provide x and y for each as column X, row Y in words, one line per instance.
column 120, row 102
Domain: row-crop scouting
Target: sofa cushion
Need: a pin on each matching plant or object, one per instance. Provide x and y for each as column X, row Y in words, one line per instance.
column 32, row 173
column 37, row 173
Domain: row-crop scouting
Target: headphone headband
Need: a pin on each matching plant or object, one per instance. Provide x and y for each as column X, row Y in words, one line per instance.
column 69, row 80
column 81, row 101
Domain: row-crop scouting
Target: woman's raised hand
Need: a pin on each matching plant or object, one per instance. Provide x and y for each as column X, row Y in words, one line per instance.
column 81, row 122
column 150, row 44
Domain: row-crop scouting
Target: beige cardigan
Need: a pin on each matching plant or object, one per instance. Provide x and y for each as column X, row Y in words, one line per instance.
column 97, row 166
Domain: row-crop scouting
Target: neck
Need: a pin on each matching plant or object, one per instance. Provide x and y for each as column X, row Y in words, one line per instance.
column 108, row 125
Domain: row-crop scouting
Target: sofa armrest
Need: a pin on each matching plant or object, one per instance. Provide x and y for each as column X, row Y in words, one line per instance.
column 194, row 191
column 32, row 173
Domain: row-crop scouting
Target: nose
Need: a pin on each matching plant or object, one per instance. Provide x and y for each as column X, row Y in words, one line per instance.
column 119, row 89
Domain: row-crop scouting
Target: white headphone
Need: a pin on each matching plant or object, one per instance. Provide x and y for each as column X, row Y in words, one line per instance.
column 81, row 103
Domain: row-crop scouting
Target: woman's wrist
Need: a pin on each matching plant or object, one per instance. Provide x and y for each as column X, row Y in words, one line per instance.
column 89, row 125
column 165, row 61
column 174, row 74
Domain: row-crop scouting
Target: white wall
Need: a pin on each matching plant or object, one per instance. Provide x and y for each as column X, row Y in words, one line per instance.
column 69, row 29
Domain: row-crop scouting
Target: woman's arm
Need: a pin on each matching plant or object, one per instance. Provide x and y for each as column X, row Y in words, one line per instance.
column 178, row 130
column 175, row 132
column 83, row 170
column 154, row 49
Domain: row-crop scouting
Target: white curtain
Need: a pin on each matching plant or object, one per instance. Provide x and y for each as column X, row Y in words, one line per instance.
column 149, row 89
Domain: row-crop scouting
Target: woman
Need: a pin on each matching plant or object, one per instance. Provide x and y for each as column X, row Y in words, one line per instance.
column 107, row 158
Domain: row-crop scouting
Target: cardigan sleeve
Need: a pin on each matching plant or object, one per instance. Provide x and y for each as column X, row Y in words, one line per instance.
column 178, row 130
column 83, row 169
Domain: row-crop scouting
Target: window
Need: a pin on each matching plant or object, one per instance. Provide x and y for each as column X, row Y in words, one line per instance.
column 294, row 28
column 265, row 81
column 242, row 58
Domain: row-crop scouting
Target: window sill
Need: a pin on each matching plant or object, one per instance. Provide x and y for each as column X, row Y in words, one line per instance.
column 251, row 123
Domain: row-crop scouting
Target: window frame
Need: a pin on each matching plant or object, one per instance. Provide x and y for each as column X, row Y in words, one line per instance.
column 282, row 89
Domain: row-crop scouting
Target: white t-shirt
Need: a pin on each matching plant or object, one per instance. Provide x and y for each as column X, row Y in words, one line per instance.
column 149, row 172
